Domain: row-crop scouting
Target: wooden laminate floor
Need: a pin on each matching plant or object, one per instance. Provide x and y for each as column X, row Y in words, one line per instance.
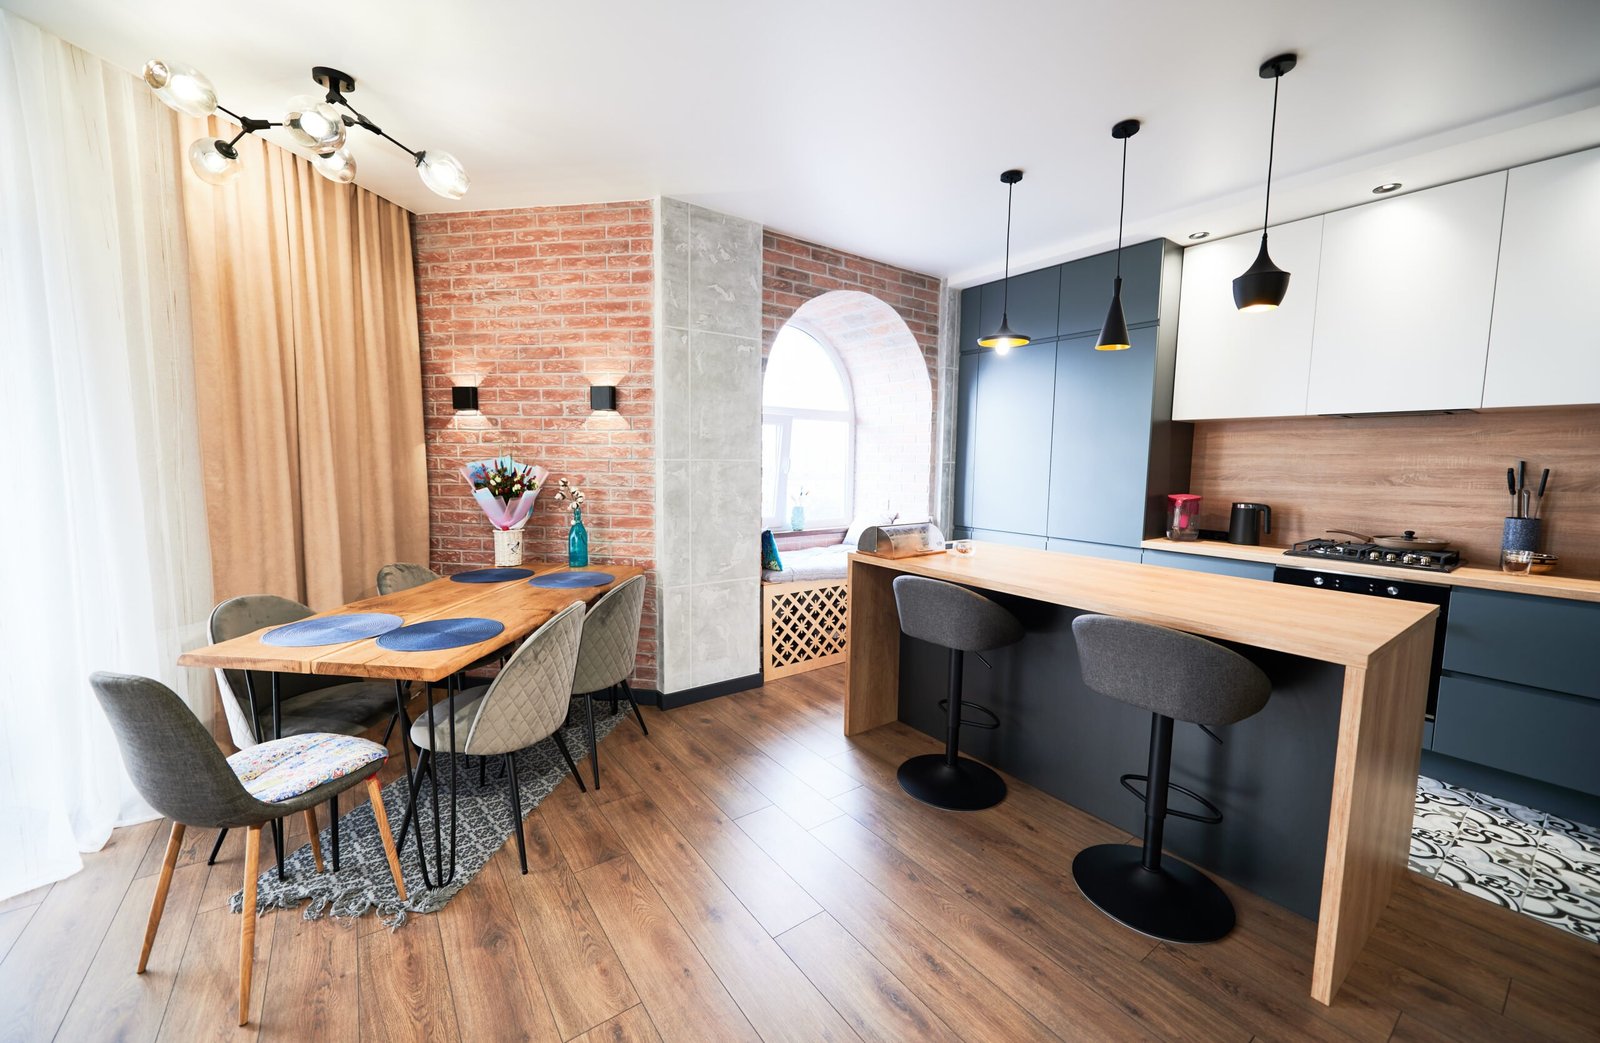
column 747, row 872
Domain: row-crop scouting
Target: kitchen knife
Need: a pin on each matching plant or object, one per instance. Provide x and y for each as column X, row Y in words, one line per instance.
column 1522, row 475
column 1544, row 479
column 1511, row 487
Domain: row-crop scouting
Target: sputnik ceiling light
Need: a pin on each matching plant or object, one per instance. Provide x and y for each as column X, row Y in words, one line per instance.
column 1004, row 339
column 1264, row 285
column 313, row 123
column 1114, row 334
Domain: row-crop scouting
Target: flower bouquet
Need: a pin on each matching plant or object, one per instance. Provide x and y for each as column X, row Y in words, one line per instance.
column 505, row 490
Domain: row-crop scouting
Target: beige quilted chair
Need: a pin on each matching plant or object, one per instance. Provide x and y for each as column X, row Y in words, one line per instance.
column 402, row 575
column 605, row 662
column 525, row 704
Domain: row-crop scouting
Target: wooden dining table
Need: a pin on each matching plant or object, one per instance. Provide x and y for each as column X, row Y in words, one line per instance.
column 516, row 604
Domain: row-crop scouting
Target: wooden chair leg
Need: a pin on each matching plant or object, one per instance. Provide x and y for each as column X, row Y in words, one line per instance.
column 375, row 794
column 316, row 839
column 174, row 842
column 247, row 926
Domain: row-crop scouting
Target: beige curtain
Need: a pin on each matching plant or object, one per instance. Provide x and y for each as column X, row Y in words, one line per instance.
column 309, row 374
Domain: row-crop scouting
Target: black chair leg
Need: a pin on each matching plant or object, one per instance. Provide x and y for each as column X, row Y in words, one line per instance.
column 635, row 704
column 393, row 717
column 222, row 834
column 516, row 811
column 614, row 700
column 333, row 828
column 483, row 772
column 411, row 803
column 277, row 846
column 594, row 751
column 566, row 755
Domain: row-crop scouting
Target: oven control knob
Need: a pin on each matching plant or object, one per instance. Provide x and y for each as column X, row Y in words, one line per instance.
column 1392, row 590
column 1318, row 581
column 1409, row 559
column 1375, row 555
column 1391, row 556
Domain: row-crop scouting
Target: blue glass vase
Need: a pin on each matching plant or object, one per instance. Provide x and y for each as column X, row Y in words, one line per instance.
column 577, row 541
column 797, row 518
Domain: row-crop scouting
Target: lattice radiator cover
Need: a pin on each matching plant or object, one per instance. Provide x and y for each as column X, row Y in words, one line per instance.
column 804, row 625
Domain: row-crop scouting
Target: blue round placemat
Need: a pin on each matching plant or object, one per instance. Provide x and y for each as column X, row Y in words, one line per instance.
column 491, row 575
column 435, row 634
column 566, row 580
column 332, row 630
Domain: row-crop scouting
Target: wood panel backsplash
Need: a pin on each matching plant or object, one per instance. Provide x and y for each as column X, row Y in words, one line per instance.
column 1444, row 476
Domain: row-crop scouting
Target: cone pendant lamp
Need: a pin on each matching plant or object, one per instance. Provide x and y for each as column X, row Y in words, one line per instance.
column 1264, row 285
column 1005, row 338
column 1114, row 334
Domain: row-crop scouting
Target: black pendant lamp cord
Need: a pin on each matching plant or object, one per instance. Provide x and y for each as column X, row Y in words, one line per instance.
column 1122, row 207
column 1005, row 290
column 1272, row 141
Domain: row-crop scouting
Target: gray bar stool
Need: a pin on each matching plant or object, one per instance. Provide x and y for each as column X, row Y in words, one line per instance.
column 962, row 621
column 1176, row 676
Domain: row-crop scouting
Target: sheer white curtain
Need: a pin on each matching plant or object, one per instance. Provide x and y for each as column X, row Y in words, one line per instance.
column 103, row 554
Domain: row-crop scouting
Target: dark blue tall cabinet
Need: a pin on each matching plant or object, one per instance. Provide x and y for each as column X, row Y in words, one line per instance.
column 1060, row 446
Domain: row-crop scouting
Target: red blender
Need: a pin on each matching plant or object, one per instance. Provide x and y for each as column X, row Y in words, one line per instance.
column 1183, row 516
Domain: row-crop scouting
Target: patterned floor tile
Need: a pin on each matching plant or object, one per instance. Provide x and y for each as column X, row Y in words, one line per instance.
column 1512, row 855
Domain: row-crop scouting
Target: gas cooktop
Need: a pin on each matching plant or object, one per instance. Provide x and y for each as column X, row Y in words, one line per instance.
column 1372, row 554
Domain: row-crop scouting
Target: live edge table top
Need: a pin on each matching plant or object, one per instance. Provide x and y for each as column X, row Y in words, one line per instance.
column 519, row 606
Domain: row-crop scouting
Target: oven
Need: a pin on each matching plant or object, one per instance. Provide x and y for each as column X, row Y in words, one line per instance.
column 1382, row 587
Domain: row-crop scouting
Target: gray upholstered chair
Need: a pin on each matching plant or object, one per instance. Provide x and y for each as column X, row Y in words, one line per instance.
column 606, row 660
column 308, row 702
column 1176, row 676
column 176, row 766
column 963, row 621
column 403, row 575
column 526, row 703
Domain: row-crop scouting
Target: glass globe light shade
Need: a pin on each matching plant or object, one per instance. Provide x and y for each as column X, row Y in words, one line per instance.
column 181, row 87
column 215, row 161
column 314, row 124
column 443, row 173
column 338, row 167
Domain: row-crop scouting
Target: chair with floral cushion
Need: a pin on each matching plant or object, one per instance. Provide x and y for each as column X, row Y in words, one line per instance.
column 307, row 702
column 176, row 766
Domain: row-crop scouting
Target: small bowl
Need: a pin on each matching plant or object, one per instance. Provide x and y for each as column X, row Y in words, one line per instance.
column 1544, row 563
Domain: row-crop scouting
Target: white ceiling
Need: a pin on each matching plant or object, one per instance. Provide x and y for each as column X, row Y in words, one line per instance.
column 880, row 126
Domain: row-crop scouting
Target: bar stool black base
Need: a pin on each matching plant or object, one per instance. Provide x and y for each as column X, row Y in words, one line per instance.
column 964, row 786
column 1175, row 903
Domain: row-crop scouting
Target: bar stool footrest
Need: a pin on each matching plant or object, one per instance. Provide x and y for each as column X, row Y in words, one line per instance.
column 992, row 719
column 1211, row 818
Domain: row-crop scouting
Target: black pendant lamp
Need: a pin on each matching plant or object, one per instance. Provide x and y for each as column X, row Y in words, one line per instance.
column 1005, row 338
column 1262, row 288
column 1114, row 334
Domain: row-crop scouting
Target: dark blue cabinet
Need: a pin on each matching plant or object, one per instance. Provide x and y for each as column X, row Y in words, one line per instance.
column 1543, row 642
column 1056, row 439
column 1206, row 563
column 1546, row 736
column 1100, row 458
column 1034, row 297
column 1010, row 473
column 1086, row 289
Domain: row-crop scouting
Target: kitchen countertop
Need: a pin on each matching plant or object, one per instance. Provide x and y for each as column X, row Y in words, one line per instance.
column 1552, row 585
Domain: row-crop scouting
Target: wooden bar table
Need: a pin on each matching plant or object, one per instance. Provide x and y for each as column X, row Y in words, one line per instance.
column 1384, row 647
column 520, row 607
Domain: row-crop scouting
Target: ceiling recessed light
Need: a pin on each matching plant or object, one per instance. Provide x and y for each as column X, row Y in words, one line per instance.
column 1198, row 235
column 1386, row 188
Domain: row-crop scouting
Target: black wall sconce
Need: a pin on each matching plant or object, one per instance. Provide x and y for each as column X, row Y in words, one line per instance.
column 603, row 397
column 464, row 397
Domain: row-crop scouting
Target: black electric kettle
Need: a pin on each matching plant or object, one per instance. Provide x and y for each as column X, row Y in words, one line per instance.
column 1247, row 522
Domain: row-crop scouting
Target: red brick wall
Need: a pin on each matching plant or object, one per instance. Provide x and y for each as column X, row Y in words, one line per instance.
column 536, row 305
column 794, row 271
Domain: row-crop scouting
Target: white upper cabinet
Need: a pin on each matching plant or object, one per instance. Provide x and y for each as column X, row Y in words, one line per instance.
column 1544, row 344
column 1404, row 301
column 1235, row 364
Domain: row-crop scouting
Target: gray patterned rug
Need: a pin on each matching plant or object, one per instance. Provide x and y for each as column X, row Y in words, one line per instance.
column 484, row 825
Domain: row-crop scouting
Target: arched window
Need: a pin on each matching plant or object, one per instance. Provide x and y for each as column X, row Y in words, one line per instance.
column 807, row 434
